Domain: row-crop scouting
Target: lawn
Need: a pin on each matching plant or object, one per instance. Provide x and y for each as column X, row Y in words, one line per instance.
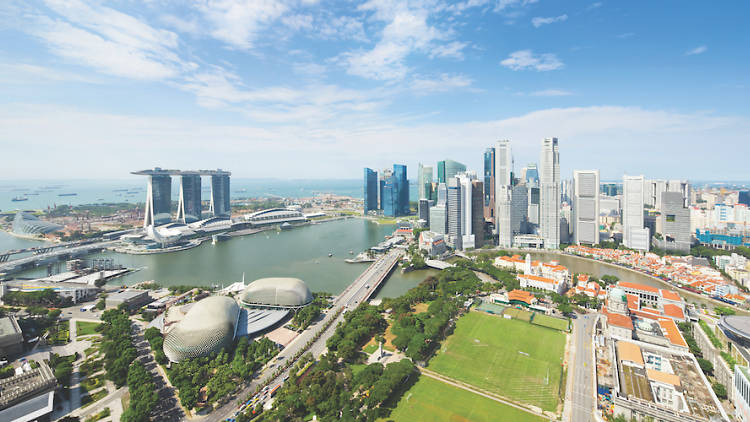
column 432, row 400
column 518, row 314
column 512, row 358
column 84, row 328
column 551, row 322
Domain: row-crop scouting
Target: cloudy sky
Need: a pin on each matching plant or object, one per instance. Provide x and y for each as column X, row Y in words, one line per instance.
column 320, row 89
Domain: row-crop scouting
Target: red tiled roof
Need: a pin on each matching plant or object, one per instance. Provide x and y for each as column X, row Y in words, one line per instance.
column 521, row 295
column 672, row 332
column 673, row 311
column 537, row 278
column 620, row 321
column 636, row 286
column 632, row 301
column 670, row 295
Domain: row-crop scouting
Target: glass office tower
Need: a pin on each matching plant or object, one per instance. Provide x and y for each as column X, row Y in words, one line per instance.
column 220, row 195
column 189, row 208
column 370, row 190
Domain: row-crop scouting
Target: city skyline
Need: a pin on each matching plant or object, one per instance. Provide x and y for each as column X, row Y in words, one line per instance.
column 332, row 89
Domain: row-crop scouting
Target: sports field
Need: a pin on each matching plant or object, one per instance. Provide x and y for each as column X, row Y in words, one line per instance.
column 431, row 400
column 551, row 322
column 512, row 358
column 518, row 314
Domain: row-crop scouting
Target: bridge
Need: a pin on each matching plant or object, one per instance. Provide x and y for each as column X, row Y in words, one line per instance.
column 51, row 253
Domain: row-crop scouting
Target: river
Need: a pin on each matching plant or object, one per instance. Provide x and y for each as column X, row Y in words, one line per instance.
column 301, row 252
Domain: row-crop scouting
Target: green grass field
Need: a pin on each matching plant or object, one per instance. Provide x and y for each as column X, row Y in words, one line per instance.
column 84, row 328
column 518, row 314
column 551, row 322
column 432, row 400
column 512, row 358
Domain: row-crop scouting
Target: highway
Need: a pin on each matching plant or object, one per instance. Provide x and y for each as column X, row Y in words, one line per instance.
column 360, row 290
column 582, row 394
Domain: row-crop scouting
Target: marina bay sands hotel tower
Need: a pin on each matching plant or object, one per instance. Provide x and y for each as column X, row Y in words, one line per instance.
column 159, row 195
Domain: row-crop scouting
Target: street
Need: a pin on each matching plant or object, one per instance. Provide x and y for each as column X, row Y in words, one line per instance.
column 582, row 404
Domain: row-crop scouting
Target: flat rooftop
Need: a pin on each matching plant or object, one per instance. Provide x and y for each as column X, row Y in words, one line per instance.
column 665, row 366
column 126, row 294
column 174, row 172
column 9, row 326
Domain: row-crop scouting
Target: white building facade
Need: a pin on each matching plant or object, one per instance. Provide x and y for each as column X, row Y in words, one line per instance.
column 586, row 207
column 549, row 192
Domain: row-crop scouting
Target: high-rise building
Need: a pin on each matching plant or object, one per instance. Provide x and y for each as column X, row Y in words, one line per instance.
column 477, row 212
column 744, row 197
column 634, row 234
column 611, row 189
column 439, row 219
column 423, row 210
column 467, row 215
column 549, row 193
column 674, row 223
column 532, row 175
column 585, row 212
column 489, row 185
column 424, row 181
column 220, row 206
column 533, row 213
column 158, row 199
column 503, row 192
column 453, row 210
column 370, row 190
column 395, row 193
column 448, row 169
column 384, row 176
column 189, row 209
column 654, row 188
column 519, row 209
column 441, row 194
column 402, row 183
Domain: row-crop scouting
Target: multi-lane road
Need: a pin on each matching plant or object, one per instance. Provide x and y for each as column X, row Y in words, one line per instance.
column 361, row 289
column 582, row 401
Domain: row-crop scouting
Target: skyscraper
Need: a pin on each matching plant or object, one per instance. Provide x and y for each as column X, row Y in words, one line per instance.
column 189, row 207
column 402, row 186
column 370, row 190
column 448, row 169
column 503, row 192
column 532, row 175
column 453, row 210
column 744, row 197
column 477, row 211
column 549, row 193
column 220, row 205
column 634, row 234
column 489, row 185
column 158, row 198
column 395, row 192
column 519, row 210
column 585, row 218
column 674, row 222
column 424, row 181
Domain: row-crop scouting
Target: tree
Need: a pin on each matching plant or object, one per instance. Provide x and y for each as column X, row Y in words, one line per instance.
column 706, row 366
column 720, row 390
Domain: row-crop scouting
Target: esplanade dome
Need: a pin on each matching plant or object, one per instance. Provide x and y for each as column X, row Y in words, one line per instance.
column 276, row 292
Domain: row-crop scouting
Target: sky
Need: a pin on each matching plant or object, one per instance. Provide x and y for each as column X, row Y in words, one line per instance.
column 320, row 89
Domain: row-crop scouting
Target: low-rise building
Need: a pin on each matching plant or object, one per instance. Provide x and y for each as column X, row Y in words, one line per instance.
column 28, row 395
column 433, row 243
column 132, row 298
column 544, row 283
column 11, row 337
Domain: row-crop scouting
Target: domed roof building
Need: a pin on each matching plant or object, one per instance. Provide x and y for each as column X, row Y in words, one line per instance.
column 617, row 301
column 27, row 224
column 276, row 292
column 209, row 325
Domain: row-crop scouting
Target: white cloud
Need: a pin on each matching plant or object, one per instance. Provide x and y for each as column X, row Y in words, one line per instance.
column 25, row 73
column 625, row 35
column 238, row 22
column 539, row 21
column 595, row 5
column 406, row 31
column 525, row 60
column 551, row 93
column 341, row 28
column 697, row 50
column 298, row 22
column 342, row 147
column 443, row 82
column 504, row 4
column 107, row 40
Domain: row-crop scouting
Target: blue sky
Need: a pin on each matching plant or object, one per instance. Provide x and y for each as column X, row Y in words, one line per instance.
column 320, row 89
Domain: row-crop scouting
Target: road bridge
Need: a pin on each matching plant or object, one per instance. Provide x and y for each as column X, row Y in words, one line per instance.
column 55, row 253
